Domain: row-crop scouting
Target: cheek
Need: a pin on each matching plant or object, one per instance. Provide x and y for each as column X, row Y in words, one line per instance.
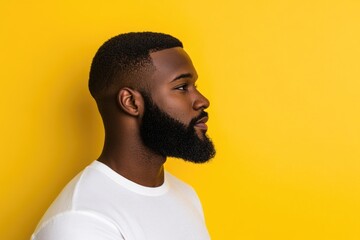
column 178, row 111
column 176, row 104
column 177, row 108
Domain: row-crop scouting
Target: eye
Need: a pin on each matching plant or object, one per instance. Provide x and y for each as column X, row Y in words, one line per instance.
column 182, row 87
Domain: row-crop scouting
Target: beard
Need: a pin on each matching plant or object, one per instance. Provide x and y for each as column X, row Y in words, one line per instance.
column 171, row 138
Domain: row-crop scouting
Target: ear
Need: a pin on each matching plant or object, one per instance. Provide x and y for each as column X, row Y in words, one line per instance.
column 130, row 101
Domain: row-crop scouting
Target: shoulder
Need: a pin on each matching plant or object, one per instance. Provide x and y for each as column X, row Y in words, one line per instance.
column 75, row 211
column 81, row 192
column 67, row 200
column 76, row 225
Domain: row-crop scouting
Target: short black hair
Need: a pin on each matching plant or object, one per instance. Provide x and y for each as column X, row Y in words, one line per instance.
column 123, row 56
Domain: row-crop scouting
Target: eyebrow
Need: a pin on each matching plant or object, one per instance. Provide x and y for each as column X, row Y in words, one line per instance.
column 184, row 75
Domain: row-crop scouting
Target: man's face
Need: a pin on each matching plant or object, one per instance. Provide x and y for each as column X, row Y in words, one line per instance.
column 174, row 121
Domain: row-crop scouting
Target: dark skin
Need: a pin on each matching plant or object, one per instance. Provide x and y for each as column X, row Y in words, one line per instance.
column 172, row 87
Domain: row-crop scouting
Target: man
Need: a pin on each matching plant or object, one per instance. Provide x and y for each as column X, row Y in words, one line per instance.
column 144, row 87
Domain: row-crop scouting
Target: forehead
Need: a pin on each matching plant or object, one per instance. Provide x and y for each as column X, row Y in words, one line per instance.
column 170, row 64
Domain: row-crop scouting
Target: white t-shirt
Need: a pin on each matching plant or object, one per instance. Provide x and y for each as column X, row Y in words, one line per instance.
column 100, row 204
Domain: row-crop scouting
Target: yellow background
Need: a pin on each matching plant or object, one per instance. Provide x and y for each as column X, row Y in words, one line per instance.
column 283, row 80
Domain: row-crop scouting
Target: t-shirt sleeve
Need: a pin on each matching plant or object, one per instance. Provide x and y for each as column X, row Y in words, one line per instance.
column 77, row 226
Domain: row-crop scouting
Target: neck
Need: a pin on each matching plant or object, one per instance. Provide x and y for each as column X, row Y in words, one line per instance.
column 134, row 161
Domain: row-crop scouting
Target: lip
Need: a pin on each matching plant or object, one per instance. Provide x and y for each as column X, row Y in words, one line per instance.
column 201, row 123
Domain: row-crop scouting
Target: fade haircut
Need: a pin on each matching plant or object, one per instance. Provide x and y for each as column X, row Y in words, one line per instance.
column 120, row 61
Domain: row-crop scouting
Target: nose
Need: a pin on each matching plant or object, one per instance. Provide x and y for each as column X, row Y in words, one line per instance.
column 200, row 101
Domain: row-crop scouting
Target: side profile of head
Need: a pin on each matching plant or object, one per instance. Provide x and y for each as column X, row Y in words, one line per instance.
column 152, row 72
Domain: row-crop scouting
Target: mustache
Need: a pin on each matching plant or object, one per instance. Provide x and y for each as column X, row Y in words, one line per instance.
column 195, row 119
